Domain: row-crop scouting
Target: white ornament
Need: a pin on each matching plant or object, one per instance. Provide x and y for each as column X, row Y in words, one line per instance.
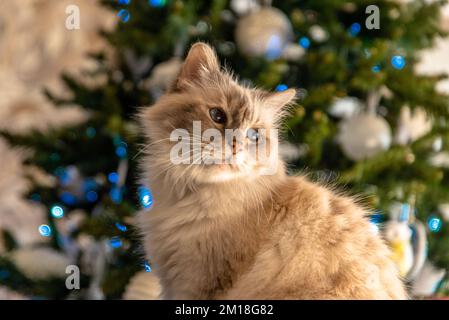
column 291, row 152
column 440, row 159
column 40, row 263
column 427, row 280
column 143, row 286
column 318, row 34
column 293, row 52
column 345, row 107
column 412, row 125
column 264, row 33
column 242, row 7
column 364, row 135
column 398, row 236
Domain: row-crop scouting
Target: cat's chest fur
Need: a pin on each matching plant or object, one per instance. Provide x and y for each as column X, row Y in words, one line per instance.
column 198, row 245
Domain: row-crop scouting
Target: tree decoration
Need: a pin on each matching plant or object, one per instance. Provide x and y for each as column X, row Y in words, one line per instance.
column 364, row 135
column 265, row 32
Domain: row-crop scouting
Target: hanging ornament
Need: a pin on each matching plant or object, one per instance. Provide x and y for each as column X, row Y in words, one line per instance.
column 427, row 281
column 412, row 125
column 242, row 7
column 398, row 236
column 143, row 286
column 364, row 135
column 345, row 107
column 265, row 32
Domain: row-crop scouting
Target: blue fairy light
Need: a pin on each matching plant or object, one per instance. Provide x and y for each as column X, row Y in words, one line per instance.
column 44, row 230
column 355, row 29
column 274, row 47
column 121, row 227
column 115, row 242
column 304, row 42
column 91, row 132
column 121, row 151
column 124, row 15
column 398, row 62
column 89, row 184
column 57, row 211
column 375, row 68
column 281, row 87
column 113, row 177
column 145, row 196
column 147, row 266
column 124, row 2
column 68, row 198
column 434, row 223
column 116, row 195
column 157, row 3
column 91, row 196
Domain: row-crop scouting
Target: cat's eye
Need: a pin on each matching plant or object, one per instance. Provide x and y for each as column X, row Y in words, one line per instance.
column 252, row 134
column 217, row 115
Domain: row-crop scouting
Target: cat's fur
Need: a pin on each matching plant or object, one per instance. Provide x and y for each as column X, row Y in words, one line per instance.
column 241, row 235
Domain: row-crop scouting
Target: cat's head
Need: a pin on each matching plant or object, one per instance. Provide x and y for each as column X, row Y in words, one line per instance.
column 207, row 128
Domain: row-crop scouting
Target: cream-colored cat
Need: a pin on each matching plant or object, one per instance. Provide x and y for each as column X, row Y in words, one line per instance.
column 226, row 231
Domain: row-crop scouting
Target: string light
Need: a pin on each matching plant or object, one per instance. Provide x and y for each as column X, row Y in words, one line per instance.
column 355, row 29
column 124, row 15
column 68, row 198
column 91, row 196
column 113, row 177
column 398, row 62
column 147, row 266
column 121, row 227
column 157, row 3
column 115, row 242
column 304, row 42
column 57, row 211
column 116, row 195
column 145, row 196
column 124, row 2
column 44, row 230
column 281, row 87
column 434, row 223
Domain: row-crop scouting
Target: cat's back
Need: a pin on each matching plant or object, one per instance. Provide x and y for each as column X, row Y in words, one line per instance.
column 322, row 246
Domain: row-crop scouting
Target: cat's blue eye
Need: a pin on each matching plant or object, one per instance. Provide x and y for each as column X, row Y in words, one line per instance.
column 252, row 134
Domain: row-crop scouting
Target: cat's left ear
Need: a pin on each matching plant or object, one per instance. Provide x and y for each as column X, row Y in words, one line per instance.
column 278, row 100
column 200, row 60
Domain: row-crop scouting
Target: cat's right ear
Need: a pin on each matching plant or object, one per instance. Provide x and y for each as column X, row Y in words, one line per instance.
column 200, row 60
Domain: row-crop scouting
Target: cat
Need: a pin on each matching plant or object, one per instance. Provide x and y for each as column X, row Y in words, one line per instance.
column 228, row 231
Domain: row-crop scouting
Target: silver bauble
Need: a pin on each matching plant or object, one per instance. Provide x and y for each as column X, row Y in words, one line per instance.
column 265, row 32
column 363, row 136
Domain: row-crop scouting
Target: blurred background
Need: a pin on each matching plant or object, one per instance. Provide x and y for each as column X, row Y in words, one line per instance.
column 372, row 117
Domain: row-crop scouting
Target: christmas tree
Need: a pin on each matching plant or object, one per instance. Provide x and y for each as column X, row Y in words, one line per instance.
column 364, row 120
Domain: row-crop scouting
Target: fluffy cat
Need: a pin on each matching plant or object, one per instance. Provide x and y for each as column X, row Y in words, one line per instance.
column 226, row 231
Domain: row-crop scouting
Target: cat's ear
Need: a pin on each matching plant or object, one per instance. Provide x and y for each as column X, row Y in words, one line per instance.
column 278, row 100
column 201, row 59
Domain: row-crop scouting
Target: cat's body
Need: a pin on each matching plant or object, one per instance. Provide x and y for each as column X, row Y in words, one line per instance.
column 255, row 236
